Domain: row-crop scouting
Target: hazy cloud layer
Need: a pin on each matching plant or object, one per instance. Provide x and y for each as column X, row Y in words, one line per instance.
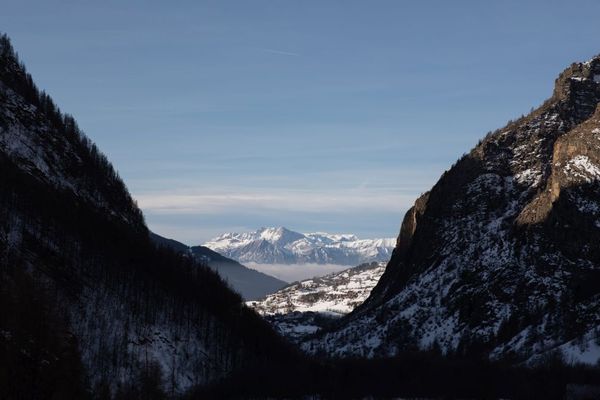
column 368, row 202
column 296, row 272
column 201, row 202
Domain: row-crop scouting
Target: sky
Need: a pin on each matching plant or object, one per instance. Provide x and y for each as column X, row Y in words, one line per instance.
column 315, row 115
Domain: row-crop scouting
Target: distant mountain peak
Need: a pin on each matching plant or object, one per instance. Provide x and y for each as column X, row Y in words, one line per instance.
column 279, row 235
column 280, row 245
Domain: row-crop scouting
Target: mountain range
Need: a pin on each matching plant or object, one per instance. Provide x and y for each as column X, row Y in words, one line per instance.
column 278, row 245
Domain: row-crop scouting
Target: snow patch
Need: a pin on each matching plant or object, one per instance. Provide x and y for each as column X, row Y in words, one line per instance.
column 582, row 167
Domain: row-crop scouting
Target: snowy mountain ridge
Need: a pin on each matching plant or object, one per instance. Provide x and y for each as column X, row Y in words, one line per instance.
column 278, row 245
column 337, row 293
column 302, row 308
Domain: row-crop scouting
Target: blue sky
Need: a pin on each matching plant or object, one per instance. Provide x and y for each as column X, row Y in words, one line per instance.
column 316, row 115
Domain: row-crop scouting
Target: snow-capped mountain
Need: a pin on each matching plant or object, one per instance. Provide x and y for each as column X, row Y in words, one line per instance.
column 304, row 307
column 283, row 246
column 501, row 256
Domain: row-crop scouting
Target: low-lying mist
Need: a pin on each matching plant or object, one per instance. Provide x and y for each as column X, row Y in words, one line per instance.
column 297, row 272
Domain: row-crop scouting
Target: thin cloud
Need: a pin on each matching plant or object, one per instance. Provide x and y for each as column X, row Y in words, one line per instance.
column 195, row 202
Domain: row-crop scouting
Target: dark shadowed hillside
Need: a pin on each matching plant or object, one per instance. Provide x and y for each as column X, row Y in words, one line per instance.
column 88, row 301
column 251, row 284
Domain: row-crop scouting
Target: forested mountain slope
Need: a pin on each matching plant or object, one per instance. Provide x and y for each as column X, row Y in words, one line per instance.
column 87, row 299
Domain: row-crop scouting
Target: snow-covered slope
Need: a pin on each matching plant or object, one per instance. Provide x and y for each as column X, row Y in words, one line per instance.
column 292, row 309
column 501, row 257
column 282, row 246
column 337, row 293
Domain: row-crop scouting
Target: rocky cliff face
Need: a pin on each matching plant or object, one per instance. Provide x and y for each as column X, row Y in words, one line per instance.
column 501, row 256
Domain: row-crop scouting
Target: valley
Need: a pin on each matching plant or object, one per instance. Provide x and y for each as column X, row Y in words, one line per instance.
column 491, row 288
